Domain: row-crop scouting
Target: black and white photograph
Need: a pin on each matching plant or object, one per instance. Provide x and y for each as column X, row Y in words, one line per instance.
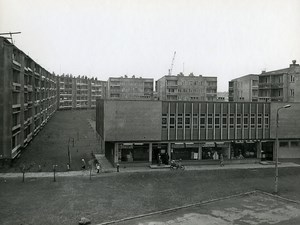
column 150, row 112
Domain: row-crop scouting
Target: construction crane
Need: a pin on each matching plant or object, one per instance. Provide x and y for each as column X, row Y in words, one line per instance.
column 172, row 64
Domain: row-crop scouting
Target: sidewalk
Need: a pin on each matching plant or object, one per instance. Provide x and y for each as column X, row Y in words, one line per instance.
column 110, row 170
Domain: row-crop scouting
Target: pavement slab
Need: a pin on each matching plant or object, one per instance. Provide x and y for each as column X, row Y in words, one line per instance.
column 255, row 208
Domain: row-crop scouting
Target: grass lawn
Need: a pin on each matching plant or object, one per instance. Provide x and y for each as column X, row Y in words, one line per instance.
column 50, row 146
column 118, row 195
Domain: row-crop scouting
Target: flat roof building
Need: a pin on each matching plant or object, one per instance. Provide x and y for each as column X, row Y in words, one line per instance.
column 130, row 88
column 244, row 88
column 79, row 92
column 28, row 98
column 280, row 85
column 187, row 88
column 196, row 132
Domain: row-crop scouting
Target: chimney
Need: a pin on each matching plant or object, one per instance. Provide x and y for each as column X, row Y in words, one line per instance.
column 294, row 63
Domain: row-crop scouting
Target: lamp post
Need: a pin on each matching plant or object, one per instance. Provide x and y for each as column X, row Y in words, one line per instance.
column 277, row 146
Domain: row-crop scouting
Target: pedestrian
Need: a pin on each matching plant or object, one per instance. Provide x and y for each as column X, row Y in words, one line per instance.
column 159, row 159
column 83, row 164
column 98, row 167
column 221, row 160
column 68, row 166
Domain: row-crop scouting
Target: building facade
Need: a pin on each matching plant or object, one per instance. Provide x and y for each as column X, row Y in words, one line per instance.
column 187, row 88
column 244, row 89
column 130, row 88
column 79, row 92
column 280, row 85
column 197, row 132
column 28, row 98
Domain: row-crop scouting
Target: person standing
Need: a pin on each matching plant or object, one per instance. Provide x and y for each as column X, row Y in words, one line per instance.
column 221, row 160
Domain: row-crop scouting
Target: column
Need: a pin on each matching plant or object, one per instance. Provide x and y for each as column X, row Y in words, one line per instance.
column 169, row 150
column 150, row 153
column 229, row 150
column 116, row 152
column 258, row 147
column 199, row 152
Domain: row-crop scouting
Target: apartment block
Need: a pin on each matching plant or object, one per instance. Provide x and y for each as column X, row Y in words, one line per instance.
column 79, row 92
column 28, row 98
column 244, row 88
column 187, row 88
column 280, row 85
column 130, row 88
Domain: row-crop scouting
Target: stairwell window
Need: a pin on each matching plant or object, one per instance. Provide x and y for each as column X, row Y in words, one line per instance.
column 187, row 121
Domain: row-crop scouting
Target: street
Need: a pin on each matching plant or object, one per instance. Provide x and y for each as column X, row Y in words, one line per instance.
column 114, row 196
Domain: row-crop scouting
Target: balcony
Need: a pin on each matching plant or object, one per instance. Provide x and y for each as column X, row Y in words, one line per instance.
column 277, row 85
column 264, row 85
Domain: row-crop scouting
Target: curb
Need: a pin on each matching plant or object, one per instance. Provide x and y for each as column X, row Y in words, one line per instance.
column 277, row 196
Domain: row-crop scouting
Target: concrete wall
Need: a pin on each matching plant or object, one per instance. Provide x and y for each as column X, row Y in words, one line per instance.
column 132, row 120
column 289, row 121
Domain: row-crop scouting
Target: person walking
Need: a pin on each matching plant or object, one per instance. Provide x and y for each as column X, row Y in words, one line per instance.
column 98, row 167
column 83, row 164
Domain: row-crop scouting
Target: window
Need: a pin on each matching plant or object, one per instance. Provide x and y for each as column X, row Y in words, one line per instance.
column 217, row 122
column 195, row 122
column 231, row 121
column 294, row 143
column 224, row 122
column 292, row 78
column 246, row 121
column 252, row 121
column 238, row 121
column 187, row 121
column 179, row 121
column 266, row 120
column 292, row 92
column 172, row 121
column 210, row 121
column 202, row 121
column 283, row 144
column 164, row 121
column 259, row 121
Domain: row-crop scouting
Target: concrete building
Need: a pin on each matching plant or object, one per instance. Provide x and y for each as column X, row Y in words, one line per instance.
column 196, row 132
column 79, row 92
column 280, row 85
column 222, row 96
column 187, row 88
column 28, row 98
column 130, row 88
column 244, row 88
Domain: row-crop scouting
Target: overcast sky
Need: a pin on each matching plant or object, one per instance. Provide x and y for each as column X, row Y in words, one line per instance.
column 223, row 38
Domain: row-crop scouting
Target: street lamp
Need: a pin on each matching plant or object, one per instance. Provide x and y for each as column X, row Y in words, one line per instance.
column 277, row 146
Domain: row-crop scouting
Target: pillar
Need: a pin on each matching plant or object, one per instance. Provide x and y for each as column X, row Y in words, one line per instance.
column 169, row 150
column 229, row 151
column 116, row 153
column 199, row 152
column 258, row 147
column 150, row 153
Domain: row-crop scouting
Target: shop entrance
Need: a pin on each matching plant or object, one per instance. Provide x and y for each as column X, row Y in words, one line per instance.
column 162, row 151
column 267, row 151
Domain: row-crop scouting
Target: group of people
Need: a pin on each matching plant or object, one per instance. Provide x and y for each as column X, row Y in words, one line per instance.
column 83, row 166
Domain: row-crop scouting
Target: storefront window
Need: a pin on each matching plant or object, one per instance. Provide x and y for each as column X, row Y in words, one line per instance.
column 243, row 150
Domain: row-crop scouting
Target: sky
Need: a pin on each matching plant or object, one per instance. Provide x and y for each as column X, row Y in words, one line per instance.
column 112, row 38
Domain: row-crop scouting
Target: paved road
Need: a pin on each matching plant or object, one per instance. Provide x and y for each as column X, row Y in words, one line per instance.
column 253, row 208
